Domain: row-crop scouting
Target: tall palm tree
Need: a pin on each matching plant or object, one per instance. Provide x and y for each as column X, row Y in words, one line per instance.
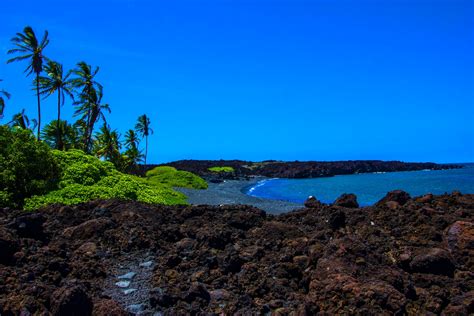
column 89, row 91
column 143, row 127
column 21, row 120
column 6, row 95
column 92, row 110
column 132, row 155
column 56, row 81
column 29, row 48
column 107, row 144
column 68, row 132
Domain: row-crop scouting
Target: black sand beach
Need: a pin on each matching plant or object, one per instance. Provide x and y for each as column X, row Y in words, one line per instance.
column 231, row 192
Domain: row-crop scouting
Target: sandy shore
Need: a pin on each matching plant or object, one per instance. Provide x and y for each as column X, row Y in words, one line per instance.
column 231, row 192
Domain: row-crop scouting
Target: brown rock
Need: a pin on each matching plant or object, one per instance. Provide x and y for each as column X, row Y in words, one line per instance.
column 433, row 261
column 399, row 196
column 347, row 200
column 460, row 240
column 71, row 300
column 312, row 202
column 87, row 229
column 87, row 249
column 106, row 307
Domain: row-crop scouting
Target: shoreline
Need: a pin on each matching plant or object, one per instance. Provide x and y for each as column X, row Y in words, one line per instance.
column 231, row 192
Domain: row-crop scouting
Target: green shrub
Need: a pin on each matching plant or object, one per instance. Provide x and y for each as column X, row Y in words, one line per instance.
column 165, row 175
column 32, row 176
column 27, row 167
column 221, row 169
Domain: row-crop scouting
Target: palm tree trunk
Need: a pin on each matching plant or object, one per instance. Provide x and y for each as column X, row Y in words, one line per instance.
column 39, row 105
column 146, row 148
column 58, row 141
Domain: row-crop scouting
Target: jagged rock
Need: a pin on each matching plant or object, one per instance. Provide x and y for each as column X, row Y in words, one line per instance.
column 71, row 300
column 460, row 241
column 87, row 229
column 337, row 219
column 433, row 261
column 399, row 196
column 347, row 200
column 8, row 247
column 312, row 202
column 106, row 307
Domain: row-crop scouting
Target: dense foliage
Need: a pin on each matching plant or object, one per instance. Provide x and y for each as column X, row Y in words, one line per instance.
column 221, row 169
column 175, row 178
column 27, row 167
column 84, row 178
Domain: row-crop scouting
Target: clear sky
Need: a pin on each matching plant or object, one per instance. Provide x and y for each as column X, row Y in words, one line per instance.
column 261, row 79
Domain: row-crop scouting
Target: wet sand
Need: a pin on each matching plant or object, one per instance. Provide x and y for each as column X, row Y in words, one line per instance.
column 231, row 192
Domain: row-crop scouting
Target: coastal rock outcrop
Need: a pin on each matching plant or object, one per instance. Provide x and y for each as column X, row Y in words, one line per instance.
column 347, row 200
column 236, row 259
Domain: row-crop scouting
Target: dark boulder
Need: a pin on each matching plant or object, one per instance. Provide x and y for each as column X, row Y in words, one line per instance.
column 30, row 226
column 71, row 300
column 8, row 247
column 347, row 200
column 399, row 196
column 434, row 261
column 460, row 241
column 337, row 219
column 312, row 202
column 105, row 307
column 197, row 291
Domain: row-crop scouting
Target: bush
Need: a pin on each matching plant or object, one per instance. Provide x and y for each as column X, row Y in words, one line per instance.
column 221, row 169
column 27, row 167
column 165, row 175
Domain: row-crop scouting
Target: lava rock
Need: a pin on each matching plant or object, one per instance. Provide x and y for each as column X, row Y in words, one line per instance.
column 347, row 200
column 433, row 261
column 71, row 300
column 460, row 240
column 399, row 196
column 312, row 202
column 337, row 219
column 8, row 247
column 30, row 226
column 106, row 307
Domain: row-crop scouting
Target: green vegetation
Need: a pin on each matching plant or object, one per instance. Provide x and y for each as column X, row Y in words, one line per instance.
column 221, row 169
column 67, row 168
column 27, row 167
column 32, row 175
column 84, row 178
column 175, row 178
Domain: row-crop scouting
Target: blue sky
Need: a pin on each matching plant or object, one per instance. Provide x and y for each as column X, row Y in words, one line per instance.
column 261, row 79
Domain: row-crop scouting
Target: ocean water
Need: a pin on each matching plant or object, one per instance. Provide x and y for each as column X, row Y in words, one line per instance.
column 369, row 187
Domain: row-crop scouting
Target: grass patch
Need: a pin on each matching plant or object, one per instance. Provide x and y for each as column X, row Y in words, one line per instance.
column 221, row 169
column 170, row 176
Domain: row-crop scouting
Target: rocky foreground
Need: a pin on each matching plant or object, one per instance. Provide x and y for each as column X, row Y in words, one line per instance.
column 401, row 256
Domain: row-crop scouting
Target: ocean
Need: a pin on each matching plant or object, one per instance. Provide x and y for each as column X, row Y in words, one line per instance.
column 369, row 187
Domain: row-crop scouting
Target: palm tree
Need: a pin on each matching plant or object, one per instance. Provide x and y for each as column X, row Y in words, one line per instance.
column 28, row 46
column 68, row 132
column 6, row 95
column 56, row 81
column 107, row 144
column 89, row 92
column 133, row 155
column 92, row 110
column 21, row 120
column 143, row 127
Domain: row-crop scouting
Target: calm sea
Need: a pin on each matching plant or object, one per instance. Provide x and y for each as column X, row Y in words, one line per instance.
column 369, row 187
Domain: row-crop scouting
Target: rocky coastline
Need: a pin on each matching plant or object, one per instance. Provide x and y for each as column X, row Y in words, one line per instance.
column 297, row 169
column 401, row 256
